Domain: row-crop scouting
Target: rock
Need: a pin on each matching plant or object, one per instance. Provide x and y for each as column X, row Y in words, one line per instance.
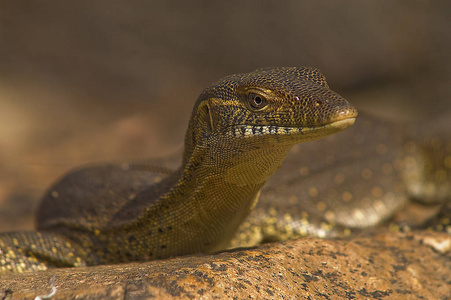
column 386, row 265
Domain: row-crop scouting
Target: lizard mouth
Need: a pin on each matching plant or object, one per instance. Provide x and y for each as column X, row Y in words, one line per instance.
column 249, row 131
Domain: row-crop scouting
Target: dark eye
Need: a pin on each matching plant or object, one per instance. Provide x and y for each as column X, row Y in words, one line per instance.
column 257, row 101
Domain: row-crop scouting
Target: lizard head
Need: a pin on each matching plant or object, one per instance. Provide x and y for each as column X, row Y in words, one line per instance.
column 279, row 106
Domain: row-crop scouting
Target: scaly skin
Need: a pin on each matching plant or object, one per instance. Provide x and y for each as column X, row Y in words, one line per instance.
column 239, row 133
column 357, row 179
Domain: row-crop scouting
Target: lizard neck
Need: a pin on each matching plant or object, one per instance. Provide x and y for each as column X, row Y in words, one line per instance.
column 213, row 195
column 203, row 203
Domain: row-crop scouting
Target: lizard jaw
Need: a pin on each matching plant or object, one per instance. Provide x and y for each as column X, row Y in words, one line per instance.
column 342, row 124
column 250, row 131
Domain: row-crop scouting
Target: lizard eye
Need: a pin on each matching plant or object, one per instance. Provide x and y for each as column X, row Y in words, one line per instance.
column 257, row 101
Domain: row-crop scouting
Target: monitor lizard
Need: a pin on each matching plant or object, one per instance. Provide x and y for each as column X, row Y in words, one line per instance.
column 378, row 171
column 240, row 130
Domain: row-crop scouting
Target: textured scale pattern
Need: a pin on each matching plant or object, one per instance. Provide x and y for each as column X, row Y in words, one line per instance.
column 239, row 133
column 241, row 130
column 356, row 179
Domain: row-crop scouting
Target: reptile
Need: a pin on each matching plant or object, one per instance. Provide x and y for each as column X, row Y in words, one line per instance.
column 240, row 130
column 378, row 171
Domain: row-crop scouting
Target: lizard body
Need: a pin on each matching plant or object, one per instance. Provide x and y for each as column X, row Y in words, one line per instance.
column 239, row 133
column 354, row 180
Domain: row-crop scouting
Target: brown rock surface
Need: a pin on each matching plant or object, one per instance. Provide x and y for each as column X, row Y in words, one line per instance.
column 383, row 266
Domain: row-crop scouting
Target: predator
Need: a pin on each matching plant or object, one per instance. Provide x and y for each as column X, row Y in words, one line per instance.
column 240, row 131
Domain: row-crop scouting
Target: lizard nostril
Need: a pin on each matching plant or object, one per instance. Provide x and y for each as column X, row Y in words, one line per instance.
column 318, row 103
column 348, row 113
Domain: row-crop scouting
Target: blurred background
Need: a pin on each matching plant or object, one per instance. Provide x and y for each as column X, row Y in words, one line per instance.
column 91, row 81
